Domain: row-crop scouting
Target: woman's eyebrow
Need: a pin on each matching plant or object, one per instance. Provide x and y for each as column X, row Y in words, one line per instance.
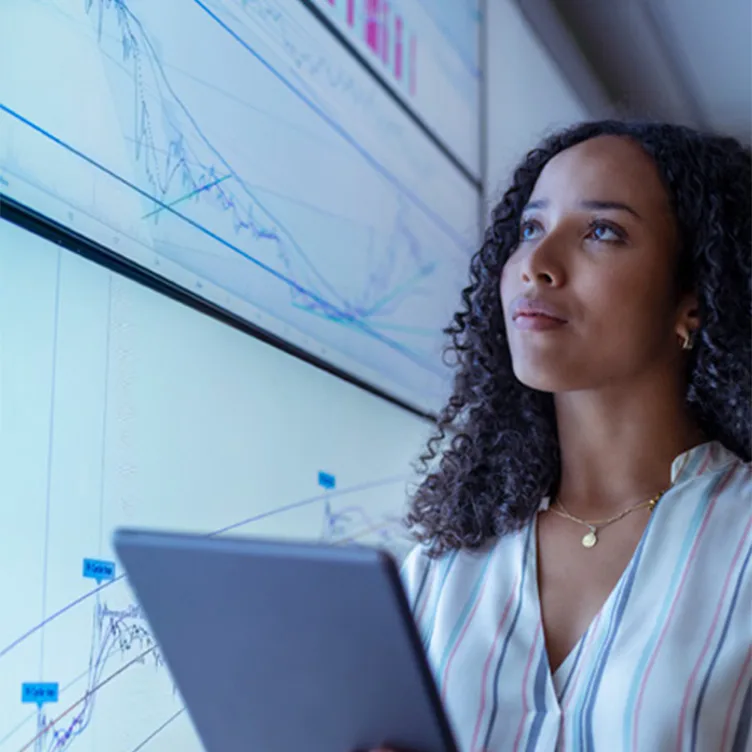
column 618, row 205
column 542, row 203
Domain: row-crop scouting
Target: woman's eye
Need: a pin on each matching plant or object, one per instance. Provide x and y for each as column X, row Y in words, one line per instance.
column 528, row 230
column 605, row 233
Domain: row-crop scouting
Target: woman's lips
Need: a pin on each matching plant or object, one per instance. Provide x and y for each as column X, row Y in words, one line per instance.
column 537, row 322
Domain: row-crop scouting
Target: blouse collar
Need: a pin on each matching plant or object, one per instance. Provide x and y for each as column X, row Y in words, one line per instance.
column 699, row 460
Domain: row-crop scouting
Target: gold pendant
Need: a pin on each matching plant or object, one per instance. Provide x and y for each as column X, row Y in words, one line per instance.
column 589, row 539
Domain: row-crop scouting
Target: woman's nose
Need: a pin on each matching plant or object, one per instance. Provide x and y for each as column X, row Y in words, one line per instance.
column 542, row 266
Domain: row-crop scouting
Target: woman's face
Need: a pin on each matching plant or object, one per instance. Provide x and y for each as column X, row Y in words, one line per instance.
column 598, row 254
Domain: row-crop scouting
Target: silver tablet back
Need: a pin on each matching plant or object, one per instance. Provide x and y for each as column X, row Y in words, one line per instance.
column 285, row 646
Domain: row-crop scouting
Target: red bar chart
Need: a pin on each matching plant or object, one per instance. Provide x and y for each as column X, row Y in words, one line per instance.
column 387, row 37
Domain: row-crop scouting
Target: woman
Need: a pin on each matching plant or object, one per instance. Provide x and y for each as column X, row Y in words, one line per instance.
column 584, row 579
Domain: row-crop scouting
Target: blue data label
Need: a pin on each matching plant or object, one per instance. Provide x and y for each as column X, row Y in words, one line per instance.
column 40, row 692
column 99, row 570
column 327, row 480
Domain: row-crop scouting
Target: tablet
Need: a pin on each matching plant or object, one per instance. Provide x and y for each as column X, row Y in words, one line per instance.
column 280, row 646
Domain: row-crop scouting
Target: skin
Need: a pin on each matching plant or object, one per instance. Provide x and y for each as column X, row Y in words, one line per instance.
column 599, row 242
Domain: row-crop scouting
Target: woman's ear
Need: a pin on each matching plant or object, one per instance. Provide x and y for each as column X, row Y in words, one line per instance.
column 688, row 320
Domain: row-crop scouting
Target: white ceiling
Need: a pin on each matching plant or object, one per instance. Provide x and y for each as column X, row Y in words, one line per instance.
column 686, row 61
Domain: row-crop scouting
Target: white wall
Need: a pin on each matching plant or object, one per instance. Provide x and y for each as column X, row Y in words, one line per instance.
column 527, row 95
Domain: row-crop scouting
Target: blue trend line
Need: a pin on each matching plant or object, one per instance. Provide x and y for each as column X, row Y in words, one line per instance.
column 144, row 132
column 406, row 329
column 193, row 193
column 437, row 218
column 319, row 314
column 359, row 325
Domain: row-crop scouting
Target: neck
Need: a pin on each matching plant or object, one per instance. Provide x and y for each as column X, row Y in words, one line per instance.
column 618, row 444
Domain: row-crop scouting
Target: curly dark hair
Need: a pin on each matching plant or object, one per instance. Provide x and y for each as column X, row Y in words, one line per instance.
column 495, row 452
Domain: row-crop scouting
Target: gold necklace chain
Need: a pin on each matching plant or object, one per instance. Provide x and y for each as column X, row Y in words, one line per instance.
column 591, row 537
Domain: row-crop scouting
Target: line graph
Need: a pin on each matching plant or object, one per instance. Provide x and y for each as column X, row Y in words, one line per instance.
column 122, row 634
column 336, row 527
column 130, row 409
column 330, row 312
column 114, row 631
column 276, row 230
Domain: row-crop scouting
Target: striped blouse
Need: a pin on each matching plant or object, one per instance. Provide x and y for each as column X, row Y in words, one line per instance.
column 665, row 665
